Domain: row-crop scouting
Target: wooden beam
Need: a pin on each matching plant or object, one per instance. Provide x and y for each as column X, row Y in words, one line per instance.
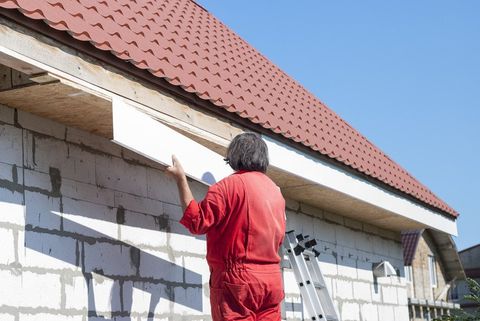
column 5, row 77
column 65, row 104
column 18, row 64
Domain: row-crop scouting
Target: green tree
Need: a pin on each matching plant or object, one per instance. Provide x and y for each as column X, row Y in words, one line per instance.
column 459, row 314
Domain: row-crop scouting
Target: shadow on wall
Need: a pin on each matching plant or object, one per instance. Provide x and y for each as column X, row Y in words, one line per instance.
column 128, row 266
column 98, row 256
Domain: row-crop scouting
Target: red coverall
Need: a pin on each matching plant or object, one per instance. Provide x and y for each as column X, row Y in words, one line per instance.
column 243, row 216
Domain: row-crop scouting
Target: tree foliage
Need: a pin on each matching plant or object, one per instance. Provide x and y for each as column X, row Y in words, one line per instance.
column 474, row 297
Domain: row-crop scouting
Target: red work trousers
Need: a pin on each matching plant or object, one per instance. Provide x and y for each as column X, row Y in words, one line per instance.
column 246, row 294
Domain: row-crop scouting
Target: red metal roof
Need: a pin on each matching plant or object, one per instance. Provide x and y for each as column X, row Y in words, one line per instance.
column 409, row 243
column 181, row 42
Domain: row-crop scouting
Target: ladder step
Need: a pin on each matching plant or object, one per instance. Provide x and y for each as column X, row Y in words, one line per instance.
column 304, row 262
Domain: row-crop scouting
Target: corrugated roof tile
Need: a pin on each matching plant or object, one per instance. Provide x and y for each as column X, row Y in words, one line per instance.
column 181, row 42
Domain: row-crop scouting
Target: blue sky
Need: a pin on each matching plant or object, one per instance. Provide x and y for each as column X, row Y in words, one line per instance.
column 406, row 74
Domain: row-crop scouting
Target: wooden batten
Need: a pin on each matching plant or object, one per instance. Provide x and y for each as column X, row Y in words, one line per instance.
column 65, row 104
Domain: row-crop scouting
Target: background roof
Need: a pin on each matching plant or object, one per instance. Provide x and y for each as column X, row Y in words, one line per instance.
column 181, row 42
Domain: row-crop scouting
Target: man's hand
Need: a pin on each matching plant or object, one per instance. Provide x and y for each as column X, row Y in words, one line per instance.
column 176, row 170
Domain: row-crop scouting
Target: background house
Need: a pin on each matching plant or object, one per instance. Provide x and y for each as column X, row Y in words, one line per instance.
column 432, row 268
column 89, row 229
column 470, row 259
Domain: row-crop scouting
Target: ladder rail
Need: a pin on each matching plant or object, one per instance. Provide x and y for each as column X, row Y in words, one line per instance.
column 309, row 278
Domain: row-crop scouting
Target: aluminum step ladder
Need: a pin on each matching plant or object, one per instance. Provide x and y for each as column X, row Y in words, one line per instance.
column 303, row 260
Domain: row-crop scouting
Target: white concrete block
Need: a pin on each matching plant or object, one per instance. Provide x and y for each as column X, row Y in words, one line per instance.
column 39, row 151
column 49, row 317
column 37, row 179
column 41, row 125
column 146, row 297
column 10, row 291
column 42, row 211
column 139, row 204
column 344, row 236
column 107, row 295
column 95, row 142
column 117, row 174
column 109, row 259
column 10, row 145
column 331, row 289
column 162, row 187
column 11, row 173
column 80, row 166
column 76, row 292
column 362, row 291
column 364, row 271
column 368, row 312
column 323, row 230
column 389, row 294
column 198, row 266
column 6, row 114
column 174, row 212
column 344, row 289
column 290, row 284
column 328, row 264
column 159, row 265
column 350, row 311
column 306, row 224
column 364, row 241
column 376, row 292
column 22, row 290
column 347, row 268
column 401, row 313
column 4, row 316
column 11, row 207
column 182, row 241
column 143, row 230
column 88, row 192
column 188, row 302
column 70, row 160
column 7, row 242
column 89, row 219
column 386, row 312
column 380, row 246
column 402, row 296
column 199, row 190
column 48, row 251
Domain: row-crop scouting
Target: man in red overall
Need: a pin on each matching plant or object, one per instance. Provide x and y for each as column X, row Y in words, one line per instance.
column 243, row 216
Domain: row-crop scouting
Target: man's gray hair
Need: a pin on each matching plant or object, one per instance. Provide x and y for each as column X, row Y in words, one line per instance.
column 249, row 152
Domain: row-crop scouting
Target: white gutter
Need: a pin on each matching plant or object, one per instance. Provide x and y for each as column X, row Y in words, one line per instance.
column 324, row 174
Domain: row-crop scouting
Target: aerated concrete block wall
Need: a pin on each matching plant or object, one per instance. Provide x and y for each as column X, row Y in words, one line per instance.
column 348, row 250
column 90, row 231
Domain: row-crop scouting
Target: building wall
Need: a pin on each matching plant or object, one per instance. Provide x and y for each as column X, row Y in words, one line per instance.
column 471, row 263
column 421, row 274
column 90, row 231
column 348, row 250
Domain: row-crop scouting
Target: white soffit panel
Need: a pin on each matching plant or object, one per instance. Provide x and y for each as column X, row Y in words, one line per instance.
column 141, row 133
column 322, row 173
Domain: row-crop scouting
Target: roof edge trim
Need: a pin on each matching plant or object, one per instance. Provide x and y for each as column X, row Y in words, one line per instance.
column 322, row 173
